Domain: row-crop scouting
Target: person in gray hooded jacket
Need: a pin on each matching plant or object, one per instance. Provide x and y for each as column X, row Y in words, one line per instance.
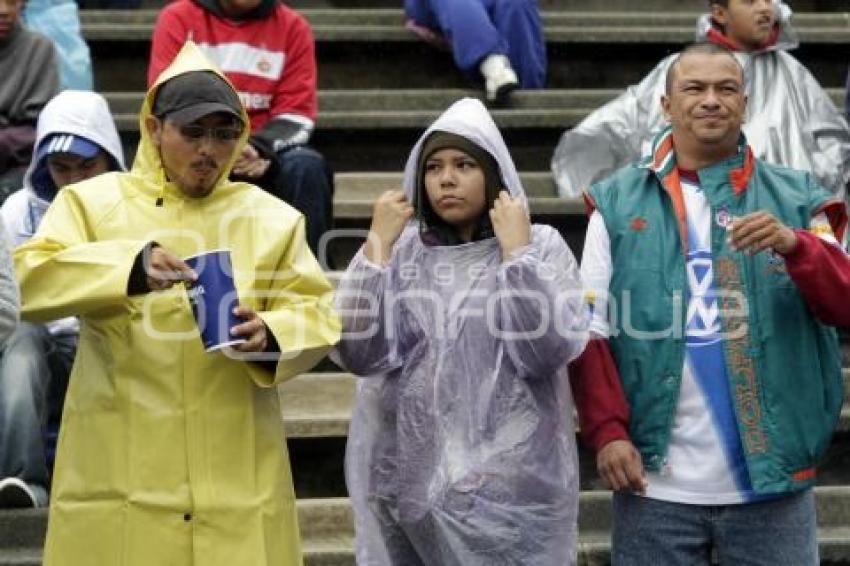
column 76, row 140
column 461, row 316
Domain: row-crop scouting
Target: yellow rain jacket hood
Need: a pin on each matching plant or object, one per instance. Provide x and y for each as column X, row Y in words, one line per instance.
column 169, row 455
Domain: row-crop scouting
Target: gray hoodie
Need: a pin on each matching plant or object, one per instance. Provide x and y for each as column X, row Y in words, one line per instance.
column 30, row 74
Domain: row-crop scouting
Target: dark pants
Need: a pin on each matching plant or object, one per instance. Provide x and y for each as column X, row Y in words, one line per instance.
column 306, row 182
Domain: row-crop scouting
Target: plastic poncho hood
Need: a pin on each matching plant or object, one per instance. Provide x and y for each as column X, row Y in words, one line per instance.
column 169, row 453
column 467, row 118
column 791, row 121
column 461, row 449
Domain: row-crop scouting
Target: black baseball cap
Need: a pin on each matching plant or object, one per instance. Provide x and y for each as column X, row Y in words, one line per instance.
column 193, row 95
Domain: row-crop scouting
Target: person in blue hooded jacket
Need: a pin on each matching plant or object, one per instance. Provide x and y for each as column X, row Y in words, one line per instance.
column 460, row 316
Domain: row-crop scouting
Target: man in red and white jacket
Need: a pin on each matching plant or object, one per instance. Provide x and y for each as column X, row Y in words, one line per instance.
column 267, row 51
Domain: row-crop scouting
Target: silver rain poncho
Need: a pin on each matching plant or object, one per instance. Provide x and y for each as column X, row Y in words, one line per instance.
column 461, row 450
column 791, row 121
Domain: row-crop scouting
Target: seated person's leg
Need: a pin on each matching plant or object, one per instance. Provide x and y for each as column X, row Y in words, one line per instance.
column 60, row 359
column 519, row 23
column 24, row 375
column 420, row 12
column 477, row 45
column 306, row 182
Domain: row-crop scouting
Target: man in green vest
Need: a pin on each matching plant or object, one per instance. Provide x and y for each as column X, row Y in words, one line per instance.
column 710, row 392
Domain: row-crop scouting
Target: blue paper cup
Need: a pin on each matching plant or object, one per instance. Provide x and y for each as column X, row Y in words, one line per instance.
column 213, row 298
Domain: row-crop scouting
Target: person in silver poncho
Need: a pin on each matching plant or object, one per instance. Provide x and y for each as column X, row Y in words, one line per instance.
column 461, row 317
column 791, row 120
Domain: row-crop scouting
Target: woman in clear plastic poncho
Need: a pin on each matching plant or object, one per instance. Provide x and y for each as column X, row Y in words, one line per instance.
column 461, row 318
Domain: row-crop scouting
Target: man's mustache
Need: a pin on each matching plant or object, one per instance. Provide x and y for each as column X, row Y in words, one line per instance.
column 205, row 162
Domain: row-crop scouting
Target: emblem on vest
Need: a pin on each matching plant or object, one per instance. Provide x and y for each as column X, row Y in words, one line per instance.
column 638, row 224
column 723, row 218
column 703, row 316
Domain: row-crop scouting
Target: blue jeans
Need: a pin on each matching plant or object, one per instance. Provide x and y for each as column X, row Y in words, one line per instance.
column 775, row 532
column 477, row 28
column 34, row 372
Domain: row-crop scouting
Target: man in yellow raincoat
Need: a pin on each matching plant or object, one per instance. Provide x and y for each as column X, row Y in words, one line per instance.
column 169, row 455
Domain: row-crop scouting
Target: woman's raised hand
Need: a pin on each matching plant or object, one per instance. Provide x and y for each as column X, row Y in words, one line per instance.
column 510, row 223
column 392, row 211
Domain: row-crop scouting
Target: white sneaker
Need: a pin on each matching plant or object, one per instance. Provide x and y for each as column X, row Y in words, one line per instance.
column 499, row 78
column 14, row 492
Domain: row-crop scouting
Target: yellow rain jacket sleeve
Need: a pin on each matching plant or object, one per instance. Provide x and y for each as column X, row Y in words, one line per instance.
column 169, row 455
column 53, row 265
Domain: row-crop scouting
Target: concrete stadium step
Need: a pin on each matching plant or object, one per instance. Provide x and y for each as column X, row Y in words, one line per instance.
column 327, row 530
column 562, row 26
column 356, row 193
column 363, row 130
column 371, row 48
column 372, row 109
column 354, row 202
column 316, row 405
column 577, row 5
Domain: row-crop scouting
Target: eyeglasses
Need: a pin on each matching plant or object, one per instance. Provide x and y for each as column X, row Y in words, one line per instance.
column 219, row 134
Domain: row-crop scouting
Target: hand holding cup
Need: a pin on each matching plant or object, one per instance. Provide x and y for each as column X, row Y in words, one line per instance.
column 164, row 269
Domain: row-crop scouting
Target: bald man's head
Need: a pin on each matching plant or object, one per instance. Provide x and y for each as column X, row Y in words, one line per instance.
column 705, row 102
column 702, row 48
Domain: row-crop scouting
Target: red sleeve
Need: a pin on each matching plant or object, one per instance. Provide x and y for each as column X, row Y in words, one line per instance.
column 822, row 273
column 603, row 412
column 296, row 91
column 169, row 34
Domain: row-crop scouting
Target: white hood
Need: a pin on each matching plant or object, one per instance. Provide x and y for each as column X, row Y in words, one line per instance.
column 468, row 118
column 81, row 113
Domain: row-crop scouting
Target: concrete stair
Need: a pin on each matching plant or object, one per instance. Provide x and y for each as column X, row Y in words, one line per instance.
column 371, row 109
column 369, row 48
column 574, row 5
column 577, row 5
column 319, row 405
column 392, row 120
column 562, row 26
column 327, row 530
